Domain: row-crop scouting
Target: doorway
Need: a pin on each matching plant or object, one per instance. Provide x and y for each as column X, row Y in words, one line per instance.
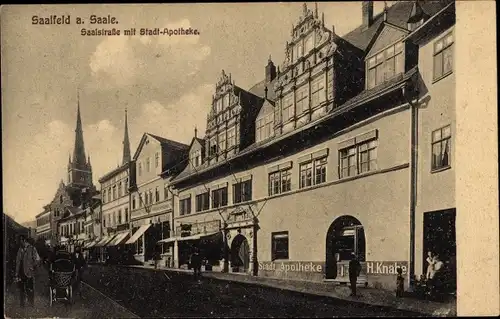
column 440, row 238
column 240, row 254
column 345, row 236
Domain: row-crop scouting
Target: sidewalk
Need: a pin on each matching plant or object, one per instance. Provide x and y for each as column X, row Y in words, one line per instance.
column 376, row 297
column 93, row 304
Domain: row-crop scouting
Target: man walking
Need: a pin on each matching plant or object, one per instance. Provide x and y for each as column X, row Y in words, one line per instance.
column 354, row 271
column 26, row 260
column 79, row 263
column 196, row 263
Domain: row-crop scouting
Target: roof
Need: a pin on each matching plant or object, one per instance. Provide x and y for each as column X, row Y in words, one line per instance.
column 248, row 99
column 259, row 89
column 169, row 142
column 397, row 14
column 114, row 172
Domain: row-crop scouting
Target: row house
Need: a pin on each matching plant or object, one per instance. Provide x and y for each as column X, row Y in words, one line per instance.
column 337, row 151
column 43, row 225
column 115, row 205
column 156, row 160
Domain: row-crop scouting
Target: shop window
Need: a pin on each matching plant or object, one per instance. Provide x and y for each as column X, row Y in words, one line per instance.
column 202, row 202
column 280, row 182
column 219, row 197
column 313, row 172
column 279, row 244
column 443, row 56
column 242, row 192
column 441, row 148
column 358, row 158
column 140, row 245
column 165, row 233
column 185, row 206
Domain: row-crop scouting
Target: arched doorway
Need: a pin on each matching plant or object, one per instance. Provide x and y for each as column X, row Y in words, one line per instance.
column 240, row 254
column 345, row 236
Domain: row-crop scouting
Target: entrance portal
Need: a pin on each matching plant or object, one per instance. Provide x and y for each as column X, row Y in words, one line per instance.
column 440, row 238
column 240, row 254
column 345, row 236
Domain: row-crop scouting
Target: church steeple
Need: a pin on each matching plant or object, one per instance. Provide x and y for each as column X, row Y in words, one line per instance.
column 79, row 150
column 126, row 143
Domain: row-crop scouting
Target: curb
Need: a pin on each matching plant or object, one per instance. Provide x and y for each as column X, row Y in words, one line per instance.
column 440, row 312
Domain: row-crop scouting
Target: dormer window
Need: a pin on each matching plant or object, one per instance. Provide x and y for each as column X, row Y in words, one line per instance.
column 384, row 65
column 264, row 127
column 414, row 25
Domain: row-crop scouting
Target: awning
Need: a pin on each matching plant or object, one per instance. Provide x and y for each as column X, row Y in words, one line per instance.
column 90, row 244
column 118, row 239
column 192, row 237
column 138, row 234
column 104, row 241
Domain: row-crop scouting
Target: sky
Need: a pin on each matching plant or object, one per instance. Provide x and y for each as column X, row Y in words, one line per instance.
column 165, row 83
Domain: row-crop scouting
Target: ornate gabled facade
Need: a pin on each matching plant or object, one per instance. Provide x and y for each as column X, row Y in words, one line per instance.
column 230, row 121
column 319, row 73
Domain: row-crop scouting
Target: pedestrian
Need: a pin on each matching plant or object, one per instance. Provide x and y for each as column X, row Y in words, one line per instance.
column 430, row 265
column 196, row 263
column 80, row 264
column 354, row 271
column 437, row 277
column 157, row 257
column 400, row 283
column 27, row 260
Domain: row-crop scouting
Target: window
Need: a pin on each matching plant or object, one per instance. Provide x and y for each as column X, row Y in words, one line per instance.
column 213, row 146
column 264, row 127
column 146, row 198
column 277, row 112
column 120, row 217
column 231, row 141
column 140, row 169
column 157, row 159
column 109, row 194
column 302, row 98
column 219, row 197
column 140, row 200
column 114, row 218
column 114, row 192
column 280, row 182
column 157, row 195
column 148, row 165
column 165, row 192
column 309, row 43
column 359, row 158
column 133, row 202
column 441, row 148
column 196, row 158
column 126, row 186
column 150, row 193
column 385, row 65
column 305, row 175
column 317, row 91
column 126, row 215
column 443, row 56
column 299, row 50
column 185, row 206
column 279, row 244
column 222, row 141
column 288, row 110
column 320, row 170
column 202, row 202
column 104, row 196
column 242, row 192
column 104, row 222
column 120, row 189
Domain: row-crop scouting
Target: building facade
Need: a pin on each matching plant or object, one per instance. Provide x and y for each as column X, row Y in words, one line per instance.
column 43, row 225
column 116, row 204
column 150, row 197
column 348, row 151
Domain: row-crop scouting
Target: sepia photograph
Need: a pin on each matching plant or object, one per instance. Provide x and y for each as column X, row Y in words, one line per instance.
column 234, row 160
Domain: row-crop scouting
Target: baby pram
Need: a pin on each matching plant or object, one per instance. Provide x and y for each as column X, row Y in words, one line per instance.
column 62, row 273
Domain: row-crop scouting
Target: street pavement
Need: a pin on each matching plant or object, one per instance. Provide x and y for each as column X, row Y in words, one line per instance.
column 171, row 294
column 93, row 304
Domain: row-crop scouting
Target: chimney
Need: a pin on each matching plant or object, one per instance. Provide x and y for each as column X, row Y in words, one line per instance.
column 270, row 70
column 367, row 10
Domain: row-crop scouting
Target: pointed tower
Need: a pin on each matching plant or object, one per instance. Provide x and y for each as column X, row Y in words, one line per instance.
column 126, row 143
column 79, row 169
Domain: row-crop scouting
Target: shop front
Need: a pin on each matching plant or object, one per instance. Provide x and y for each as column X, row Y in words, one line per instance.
column 116, row 246
column 101, row 247
column 240, row 231
column 146, row 233
column 207, row 236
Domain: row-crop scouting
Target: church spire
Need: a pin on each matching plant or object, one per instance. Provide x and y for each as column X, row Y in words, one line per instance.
column 126, row 143
column 79, row 150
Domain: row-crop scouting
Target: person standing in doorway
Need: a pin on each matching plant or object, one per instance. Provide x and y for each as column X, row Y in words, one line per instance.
column 157, row 256
column 354, row 271
column 27, row 260
column 430, row 265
